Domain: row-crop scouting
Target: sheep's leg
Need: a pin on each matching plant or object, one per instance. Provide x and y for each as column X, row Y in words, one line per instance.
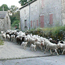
column 4, row 38
column 34, row 48
column 21, row 45
column 63, row 51
column 45, row 50
column 40, row 47
column 30, row 48
column 24, row 47
column 50, row 51
column 56, row 51
column 12, row 39
column 44, row 47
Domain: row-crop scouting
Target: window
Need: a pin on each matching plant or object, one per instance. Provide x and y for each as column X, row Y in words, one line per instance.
column 42, row 21
column 31, row 23
column 25, row 21
column 51, row 19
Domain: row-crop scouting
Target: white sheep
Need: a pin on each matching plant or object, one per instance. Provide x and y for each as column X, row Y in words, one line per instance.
column 39, row 44
column 24, row 44
column 8, row 36
column 4, row 36
column 62, row 46
column 33, row 47
column 13, row 38
column 50, row 46
column 2, row 32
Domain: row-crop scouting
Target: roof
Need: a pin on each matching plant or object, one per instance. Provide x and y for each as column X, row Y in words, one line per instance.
column 2, row 14
column 27, row 4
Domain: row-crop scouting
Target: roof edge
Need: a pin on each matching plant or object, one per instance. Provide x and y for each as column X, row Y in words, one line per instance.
column 27, row 4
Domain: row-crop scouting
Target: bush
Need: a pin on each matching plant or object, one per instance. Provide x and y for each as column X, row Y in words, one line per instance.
column 15, row 24
column 54, row 32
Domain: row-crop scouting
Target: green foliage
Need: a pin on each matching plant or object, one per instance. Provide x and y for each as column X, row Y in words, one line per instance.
column 16, row 24
column 54, row 32
column 15, row 16
column 5, row 7
column 13, row 8
column 23, row 2
column 1, row 9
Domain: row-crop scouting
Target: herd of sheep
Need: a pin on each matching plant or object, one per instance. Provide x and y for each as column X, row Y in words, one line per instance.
column 34, row 41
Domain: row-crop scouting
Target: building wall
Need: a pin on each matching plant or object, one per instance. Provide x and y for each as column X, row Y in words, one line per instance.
column 24, row 15
column 33, row 13
column 43, row 13
column 50, row 10
column 5, row 23
column 63, row 11
column 1, row 24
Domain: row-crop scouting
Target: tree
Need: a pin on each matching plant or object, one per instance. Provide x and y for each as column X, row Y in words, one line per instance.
column 13, row 8
column 17, row 15
column 1, row 9
column 14, row 17
column 23, row 2
column 16, row 24
column 5, row 7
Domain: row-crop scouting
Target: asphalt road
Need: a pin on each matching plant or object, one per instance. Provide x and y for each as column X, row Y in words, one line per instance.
column 51, row 60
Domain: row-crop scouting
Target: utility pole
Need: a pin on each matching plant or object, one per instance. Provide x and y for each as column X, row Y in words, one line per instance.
column 29, row 13
column 3, row 8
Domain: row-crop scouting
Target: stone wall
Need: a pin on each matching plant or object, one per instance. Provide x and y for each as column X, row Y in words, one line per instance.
column 63, row 11
column 5, row 23
column 1, row 24
column 41, row 13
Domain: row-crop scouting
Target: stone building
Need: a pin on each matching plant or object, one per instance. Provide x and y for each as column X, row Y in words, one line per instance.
column 41, row 13
column 4, row 21
column 63, row 11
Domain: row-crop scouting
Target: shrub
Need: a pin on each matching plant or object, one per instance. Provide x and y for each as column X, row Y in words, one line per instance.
column 15, row 24
column 54, row 32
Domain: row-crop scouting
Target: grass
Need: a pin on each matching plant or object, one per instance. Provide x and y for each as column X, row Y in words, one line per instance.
column 1, row 42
